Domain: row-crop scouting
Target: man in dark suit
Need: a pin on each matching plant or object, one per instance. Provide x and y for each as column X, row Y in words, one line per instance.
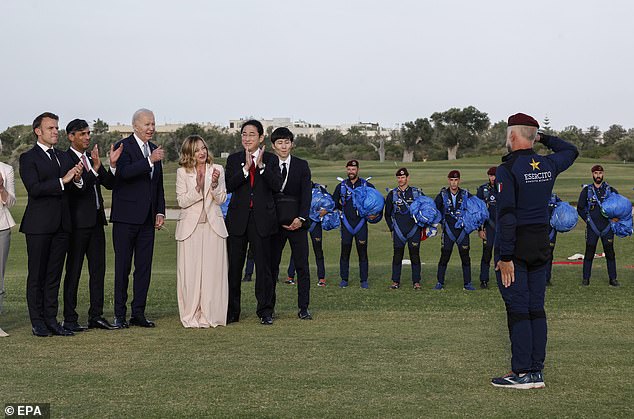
column 138, row 208
column 87, row 237
column 46, row 173
column 252, row 176
column 297, row 188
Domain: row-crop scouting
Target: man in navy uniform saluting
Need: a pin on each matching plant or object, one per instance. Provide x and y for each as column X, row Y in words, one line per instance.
column 525, row 183
column 488, row 194
column 597, row 226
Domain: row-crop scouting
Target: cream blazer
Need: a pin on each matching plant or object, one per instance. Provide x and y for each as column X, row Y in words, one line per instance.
column 6, row 220
column 191, row 202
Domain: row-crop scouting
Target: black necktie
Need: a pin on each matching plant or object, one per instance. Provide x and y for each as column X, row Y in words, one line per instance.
column 51, row 153
column 284, row 171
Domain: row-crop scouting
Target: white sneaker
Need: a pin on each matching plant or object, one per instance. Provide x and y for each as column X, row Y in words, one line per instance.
column 3, row 334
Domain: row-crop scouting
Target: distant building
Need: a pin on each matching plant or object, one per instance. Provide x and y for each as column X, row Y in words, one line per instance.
column 301, row 127
column 127, row 130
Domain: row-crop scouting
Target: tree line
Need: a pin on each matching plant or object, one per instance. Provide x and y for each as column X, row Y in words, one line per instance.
column 451, row 134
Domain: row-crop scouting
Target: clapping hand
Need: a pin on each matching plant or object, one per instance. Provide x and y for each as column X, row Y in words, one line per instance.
column 94, row 155
column 258, row 162
column 214, row 178
column 115, row 154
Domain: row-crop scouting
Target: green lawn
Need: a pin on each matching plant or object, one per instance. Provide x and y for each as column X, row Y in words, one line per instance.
column 368, row 353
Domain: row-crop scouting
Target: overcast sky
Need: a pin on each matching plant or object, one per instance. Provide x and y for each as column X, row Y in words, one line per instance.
column 326, row 61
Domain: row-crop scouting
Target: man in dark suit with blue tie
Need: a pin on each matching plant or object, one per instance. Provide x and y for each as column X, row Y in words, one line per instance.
column 252, row 177
column 138, row 208
column 47, row 174
column 296, row 194
column 87, row 238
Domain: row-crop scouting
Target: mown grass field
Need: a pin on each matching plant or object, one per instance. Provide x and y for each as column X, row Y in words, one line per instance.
column 367, row 353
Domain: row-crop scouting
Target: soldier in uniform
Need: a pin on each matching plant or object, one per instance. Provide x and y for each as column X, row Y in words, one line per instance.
column 352, row 225
column 488, row 194
column 450, row 204
column 525, row 183
column 597, row 226
column 403, row 227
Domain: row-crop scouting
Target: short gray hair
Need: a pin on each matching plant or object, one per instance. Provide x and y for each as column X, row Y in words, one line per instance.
column 140, row 112
column 525, row 131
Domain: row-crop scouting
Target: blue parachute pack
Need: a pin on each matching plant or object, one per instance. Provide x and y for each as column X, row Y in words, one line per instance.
column 564, row 217
column 225, row 205
column 424, row 211
column 319, row 201
column 331, row 220
column 368, row 201
column 474, row 214
column 618, row 206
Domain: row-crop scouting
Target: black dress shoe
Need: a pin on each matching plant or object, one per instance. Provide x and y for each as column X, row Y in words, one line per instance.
column 266, row 320
column 141, row 322
column 614, row 283
column 304, row 315
column 120, row 323
column 58, row 330
column 74, row 327
column 247, row 278
column 100, row 323
column 41, row 331
column 232, row 319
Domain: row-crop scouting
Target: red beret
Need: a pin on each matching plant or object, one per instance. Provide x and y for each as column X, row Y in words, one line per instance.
column 352, row 163
column 597, row 168
column 491, row 171
column 454, row 174
column 522, row 119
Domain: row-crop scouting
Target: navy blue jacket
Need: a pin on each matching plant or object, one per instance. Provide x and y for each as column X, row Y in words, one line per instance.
column 488, row 194
column 398, row 212
column 584, row 207
column 525, row 183
column 449, row 212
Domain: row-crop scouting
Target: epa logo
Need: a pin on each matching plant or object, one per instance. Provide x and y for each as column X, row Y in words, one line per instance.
column 34, row 410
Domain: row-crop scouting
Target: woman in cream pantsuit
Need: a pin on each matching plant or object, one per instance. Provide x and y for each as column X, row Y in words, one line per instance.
column 201, row 252
column 7, row 200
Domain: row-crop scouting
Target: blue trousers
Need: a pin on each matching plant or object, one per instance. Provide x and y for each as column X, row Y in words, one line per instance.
column 445, row 254
column 413, row 244
column 591, row 247
column 487, row 252
column 361, row 240
column 316, row 238
column 526, row 318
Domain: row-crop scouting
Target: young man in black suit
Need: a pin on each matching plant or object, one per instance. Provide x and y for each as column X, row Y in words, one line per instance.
column 47, row 174
column 252, row 177
column 138, row 208
column 87, row 237
column 297, row 185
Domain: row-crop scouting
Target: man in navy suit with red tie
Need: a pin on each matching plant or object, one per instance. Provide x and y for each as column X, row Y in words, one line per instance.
column 138, row 208
column 47, row 174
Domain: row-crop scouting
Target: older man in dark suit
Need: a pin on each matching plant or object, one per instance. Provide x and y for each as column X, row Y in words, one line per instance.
column 296, row 193
column 46, row 173
column 138, row 208
column 87, row 238
column 252, row 176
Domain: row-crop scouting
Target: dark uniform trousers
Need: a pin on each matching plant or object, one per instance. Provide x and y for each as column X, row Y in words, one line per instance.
column 413, row 245
column 445, row 254
column 607, row 240
column 553, row 242
column 361, row 241
column 524, row 300
column 487, row 251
